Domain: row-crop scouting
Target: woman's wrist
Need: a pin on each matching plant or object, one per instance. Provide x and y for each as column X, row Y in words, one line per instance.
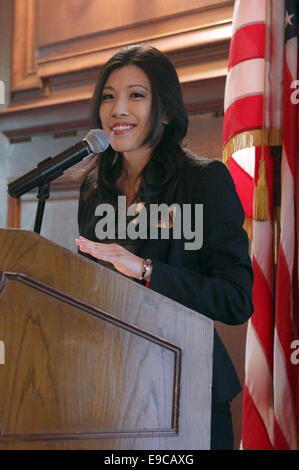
column 146, row 270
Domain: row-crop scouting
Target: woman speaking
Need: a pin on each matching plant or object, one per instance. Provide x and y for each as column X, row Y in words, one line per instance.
column 138, row 102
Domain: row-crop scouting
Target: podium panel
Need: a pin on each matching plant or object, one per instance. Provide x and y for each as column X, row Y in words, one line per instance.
column 93, row 360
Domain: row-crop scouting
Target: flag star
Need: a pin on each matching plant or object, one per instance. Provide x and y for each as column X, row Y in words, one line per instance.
column 288, row 19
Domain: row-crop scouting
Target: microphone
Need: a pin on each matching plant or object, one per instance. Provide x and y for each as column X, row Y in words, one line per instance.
column 51, row 168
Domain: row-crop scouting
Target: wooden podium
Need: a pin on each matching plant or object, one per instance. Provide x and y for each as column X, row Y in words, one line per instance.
column 94, row 360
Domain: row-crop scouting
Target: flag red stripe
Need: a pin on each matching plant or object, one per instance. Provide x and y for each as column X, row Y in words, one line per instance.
column 243, row 115
column 279, row 440
column 263, row 316
column 252, row 38
column 244, row 185
column 254, row 433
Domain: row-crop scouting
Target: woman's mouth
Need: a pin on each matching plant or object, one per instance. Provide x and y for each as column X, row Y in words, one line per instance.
column 122, row 128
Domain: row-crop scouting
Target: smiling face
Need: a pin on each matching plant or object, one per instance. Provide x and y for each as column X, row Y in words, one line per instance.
column 125, row 110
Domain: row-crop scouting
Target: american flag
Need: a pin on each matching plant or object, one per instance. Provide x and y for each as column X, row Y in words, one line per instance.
column 260, row 114
column 284, row 376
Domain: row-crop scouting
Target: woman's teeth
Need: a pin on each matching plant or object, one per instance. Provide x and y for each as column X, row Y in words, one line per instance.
column 121, row 128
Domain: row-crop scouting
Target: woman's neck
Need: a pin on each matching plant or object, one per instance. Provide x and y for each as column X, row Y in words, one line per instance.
column 133, row 165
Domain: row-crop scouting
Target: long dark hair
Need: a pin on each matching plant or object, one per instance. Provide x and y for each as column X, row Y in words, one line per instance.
column 158, row 177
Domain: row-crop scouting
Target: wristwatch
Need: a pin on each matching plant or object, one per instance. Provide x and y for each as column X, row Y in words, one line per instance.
column 147, row 270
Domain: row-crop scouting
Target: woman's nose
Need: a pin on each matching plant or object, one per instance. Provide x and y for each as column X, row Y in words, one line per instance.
column 120, row 108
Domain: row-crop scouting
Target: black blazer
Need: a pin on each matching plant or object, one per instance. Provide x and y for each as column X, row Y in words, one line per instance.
column 215, row 280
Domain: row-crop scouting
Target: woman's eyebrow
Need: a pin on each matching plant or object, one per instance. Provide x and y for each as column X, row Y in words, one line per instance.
column 129, row 86
column 137, row 84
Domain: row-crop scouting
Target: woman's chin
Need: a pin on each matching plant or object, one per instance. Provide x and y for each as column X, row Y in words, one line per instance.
column 119, row 148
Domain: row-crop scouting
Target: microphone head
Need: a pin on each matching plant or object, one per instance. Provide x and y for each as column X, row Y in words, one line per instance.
column 97, row 140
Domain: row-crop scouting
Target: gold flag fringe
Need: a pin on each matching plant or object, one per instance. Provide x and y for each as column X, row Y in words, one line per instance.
column 254, row 138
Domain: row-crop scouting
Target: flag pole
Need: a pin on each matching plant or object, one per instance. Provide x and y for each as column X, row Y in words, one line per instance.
column 276, row 152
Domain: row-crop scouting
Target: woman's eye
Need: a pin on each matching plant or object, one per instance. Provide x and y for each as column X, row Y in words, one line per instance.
column 107, row 97
column 136, row 94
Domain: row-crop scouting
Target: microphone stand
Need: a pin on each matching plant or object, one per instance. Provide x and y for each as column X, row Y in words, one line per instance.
column 42, row 195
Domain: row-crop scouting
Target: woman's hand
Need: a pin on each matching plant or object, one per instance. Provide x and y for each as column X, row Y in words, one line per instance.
column 123, row 260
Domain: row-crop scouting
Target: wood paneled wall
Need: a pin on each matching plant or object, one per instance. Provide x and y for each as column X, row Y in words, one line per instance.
column 59, row 48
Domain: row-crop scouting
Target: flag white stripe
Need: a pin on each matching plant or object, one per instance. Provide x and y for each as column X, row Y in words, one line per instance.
column 287, row 239
column 245, row 158
column 244, row 15
column 276, row 61
column 259, row 379
column 291, row 52
column 245, row 78
column 283, row 400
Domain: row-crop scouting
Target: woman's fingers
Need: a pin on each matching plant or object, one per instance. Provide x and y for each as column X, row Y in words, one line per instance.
column 122, row 259
column 107, row 252
column 95, row 249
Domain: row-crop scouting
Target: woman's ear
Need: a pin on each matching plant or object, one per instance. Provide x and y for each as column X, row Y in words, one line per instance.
column 165, row 120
